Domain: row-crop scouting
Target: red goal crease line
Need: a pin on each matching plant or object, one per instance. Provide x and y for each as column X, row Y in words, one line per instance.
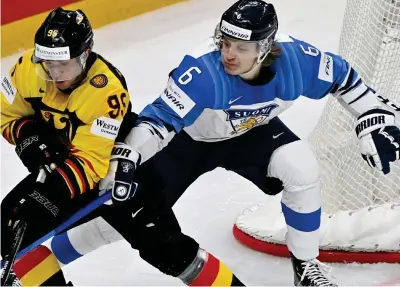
column 333, row 256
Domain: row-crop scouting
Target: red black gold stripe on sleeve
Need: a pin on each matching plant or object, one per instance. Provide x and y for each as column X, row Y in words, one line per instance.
column 13, row 130
column 74, row 176
column 8, row 136
column 88, row 164
column 83, row 161
column 18, row 126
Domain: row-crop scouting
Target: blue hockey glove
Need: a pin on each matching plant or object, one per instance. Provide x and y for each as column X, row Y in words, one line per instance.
column 379, row 138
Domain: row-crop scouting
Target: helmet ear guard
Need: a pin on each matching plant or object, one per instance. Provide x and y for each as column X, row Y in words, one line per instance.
column 265, row 47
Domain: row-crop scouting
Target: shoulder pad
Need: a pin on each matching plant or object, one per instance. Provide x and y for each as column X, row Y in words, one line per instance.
column 282, row 38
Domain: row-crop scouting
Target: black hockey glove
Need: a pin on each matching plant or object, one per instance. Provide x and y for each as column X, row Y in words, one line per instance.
column 379, row 138
column 38, row 148
column 121, row 172
column 40, row 205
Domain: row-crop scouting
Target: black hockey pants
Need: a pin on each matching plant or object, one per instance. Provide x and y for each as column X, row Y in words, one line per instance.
column 154, row 230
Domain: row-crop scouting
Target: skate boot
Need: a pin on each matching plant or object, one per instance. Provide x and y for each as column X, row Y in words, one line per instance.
column 309, row 273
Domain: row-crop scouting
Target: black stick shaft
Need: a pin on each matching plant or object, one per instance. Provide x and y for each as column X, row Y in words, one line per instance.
column 10, row 258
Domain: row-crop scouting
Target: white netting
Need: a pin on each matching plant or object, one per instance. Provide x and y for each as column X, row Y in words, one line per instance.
column 370, row 41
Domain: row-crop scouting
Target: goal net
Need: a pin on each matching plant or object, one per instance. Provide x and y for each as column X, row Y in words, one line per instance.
column 361, row 205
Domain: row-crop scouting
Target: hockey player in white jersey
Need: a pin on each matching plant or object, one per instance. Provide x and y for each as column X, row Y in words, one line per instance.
column 220, row 109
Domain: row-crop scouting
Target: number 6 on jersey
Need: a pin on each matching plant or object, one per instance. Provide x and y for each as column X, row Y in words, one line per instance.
column 187, row 76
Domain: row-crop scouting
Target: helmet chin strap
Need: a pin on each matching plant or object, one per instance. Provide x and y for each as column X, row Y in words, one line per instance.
column 254, row 70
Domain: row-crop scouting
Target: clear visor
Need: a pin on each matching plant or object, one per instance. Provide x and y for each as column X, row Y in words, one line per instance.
column 60, row 70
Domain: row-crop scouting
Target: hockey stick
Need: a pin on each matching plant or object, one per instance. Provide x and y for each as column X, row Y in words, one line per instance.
column 74, row 218
column 9, row 259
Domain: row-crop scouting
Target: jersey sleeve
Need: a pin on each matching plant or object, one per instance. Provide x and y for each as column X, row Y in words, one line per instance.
column 190, row 89
column 320, row 71
column 326, row 73
column 14, row 108
column 91, row 146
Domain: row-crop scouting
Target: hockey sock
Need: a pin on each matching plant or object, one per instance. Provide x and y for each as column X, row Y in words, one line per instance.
column 215, row 273
column 39, row 267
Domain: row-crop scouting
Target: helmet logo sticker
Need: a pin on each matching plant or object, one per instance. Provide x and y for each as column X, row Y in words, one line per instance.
column 52, row 33
column 99, row 81
column 79, row 18
column 235, row 31
column 52, row 54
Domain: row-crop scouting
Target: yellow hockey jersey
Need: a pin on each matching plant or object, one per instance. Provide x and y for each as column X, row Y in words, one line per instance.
column 87, row 119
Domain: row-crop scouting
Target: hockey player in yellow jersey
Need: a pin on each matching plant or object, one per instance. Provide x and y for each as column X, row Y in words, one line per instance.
column 61, row 106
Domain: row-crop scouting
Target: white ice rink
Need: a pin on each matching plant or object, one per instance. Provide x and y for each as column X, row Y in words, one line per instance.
column 145, row 49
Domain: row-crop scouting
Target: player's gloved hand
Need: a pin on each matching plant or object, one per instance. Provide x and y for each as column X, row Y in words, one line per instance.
column 379, row 138
column 39, row 204
column 37, row 148
column 120, row 176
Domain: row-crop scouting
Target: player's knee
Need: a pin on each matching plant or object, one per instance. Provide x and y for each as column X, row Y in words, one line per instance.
column 161, row 243
column 295, row 165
